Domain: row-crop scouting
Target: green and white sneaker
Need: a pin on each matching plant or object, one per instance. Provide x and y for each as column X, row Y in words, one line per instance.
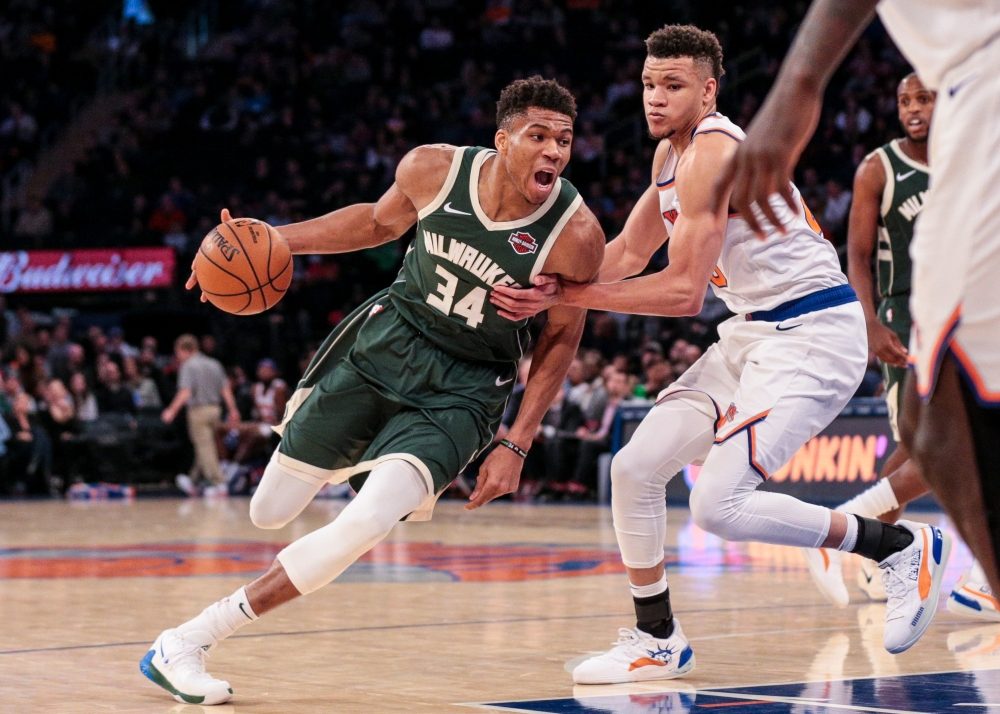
column 176, row 662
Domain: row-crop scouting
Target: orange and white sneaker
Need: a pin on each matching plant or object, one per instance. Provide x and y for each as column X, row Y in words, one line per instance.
column 870, row 581
column 912, row 578
column 826, row 567
column 638, row 657
column 973, row 597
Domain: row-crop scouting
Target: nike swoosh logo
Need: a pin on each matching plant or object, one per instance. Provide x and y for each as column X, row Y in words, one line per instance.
column 903, row 177
column 954, row 90
column 779, row 328
column 506, row 381
column 449, row 209
column 245, row 612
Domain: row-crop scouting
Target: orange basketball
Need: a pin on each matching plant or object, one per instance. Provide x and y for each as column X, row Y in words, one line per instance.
column 244, row 266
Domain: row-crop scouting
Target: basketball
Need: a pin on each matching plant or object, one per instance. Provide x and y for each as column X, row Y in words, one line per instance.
column 244, row 266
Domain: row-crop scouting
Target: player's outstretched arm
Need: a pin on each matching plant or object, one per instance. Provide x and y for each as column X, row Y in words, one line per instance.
column 862, row 236
column 419, row 177
column 576, row 256
column 694, row 248
column 765, row 161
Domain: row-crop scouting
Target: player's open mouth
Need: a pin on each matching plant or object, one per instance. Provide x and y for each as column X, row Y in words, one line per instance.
column 544, row 179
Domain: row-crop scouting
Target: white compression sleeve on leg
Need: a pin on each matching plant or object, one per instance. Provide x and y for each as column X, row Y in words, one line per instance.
column 674, row 434
column 725, row 501
column 282, row 494
column 393, row 490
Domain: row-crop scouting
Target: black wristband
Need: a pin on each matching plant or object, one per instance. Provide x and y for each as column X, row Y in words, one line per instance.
column 515, row 448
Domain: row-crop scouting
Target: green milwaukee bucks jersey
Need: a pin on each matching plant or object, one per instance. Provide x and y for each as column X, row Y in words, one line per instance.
column 460, row 255
column 902, row 200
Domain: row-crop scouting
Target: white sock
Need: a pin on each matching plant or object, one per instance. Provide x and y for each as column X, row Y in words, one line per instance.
column 851, row 537
column 977, row 574
column 872, row 502
column 223, row 618
column 657, row 588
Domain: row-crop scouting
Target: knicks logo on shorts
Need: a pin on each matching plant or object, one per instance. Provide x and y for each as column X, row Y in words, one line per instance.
column 718, row 279
column 731, row 412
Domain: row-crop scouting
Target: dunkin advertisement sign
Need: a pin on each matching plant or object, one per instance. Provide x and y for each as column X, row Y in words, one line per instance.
column 100, row 269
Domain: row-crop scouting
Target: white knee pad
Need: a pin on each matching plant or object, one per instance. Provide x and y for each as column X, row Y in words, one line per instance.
column 393, row 490
column 281, row 495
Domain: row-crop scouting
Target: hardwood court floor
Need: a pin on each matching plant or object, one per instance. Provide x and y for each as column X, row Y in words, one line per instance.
column 471, row 607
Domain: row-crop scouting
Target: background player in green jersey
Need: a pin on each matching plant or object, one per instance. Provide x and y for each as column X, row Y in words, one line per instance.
column 412, row 385
column 889, row 189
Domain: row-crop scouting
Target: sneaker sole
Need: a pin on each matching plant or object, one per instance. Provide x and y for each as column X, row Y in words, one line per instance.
column 154, row 675
column 956, row 606
column 931, row 601
column 631, row 677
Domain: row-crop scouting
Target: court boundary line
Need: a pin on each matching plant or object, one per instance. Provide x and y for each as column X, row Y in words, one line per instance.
column 721, row 692
column 419, row 625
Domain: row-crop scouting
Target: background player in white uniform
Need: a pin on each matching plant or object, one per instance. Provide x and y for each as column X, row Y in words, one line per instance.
column 784, row 367
column 955, row 49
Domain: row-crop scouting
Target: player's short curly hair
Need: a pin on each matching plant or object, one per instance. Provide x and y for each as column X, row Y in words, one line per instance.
column 687, row 41
column 533, row 92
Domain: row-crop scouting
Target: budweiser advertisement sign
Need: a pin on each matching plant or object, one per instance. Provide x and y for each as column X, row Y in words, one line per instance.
column 100, row 269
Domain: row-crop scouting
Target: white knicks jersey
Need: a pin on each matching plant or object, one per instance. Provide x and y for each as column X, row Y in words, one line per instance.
column 754, row 274
column 938, row 35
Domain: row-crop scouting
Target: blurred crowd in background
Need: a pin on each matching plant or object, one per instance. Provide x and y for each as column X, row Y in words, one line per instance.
column 284, row 110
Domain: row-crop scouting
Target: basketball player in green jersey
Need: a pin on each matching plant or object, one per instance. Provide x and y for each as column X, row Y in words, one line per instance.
column 412, row 385
column 889, row 189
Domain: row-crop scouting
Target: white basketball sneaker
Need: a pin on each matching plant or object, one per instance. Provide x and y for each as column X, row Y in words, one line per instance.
column 973, row 597
column 870, row 581
column 912, row 579
column 176, row 662
column 825, row 566
column 638, row 657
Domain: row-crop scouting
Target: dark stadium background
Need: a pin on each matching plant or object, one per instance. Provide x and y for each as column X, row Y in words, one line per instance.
column 123, row 133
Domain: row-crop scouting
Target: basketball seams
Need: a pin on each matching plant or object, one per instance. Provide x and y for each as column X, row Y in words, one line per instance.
column 201, row 250
column 270, row 245
column 246, row 256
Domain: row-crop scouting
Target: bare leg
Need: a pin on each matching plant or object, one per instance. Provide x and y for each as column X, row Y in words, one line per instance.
column 908, row 485
column 645, row 576
column 270, row 590
column 938, row 435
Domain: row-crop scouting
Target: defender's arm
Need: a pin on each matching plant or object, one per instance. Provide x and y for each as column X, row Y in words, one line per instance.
column 862, row 240
column 576, row 256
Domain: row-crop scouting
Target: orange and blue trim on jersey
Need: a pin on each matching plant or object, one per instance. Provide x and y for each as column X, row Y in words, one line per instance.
column 667, row 184
column 984, row 396
column 748, row 424
column 940, row 348
column 732, row 136
column 752, row 444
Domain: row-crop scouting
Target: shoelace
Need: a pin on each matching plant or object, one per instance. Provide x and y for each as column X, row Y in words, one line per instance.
column 895, row 589
column 190, row 656
column 630, row 643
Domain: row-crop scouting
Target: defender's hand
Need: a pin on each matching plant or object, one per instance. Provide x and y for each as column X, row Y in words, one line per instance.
column 499, row 475
column 886, row 345
column 764, row 162
column 520, row 303
column 192, row 280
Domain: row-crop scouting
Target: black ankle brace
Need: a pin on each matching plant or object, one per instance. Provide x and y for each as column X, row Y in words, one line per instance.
column 654, row 615
column 878, row 540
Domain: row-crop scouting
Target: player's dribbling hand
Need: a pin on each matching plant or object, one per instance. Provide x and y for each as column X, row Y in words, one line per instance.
column 520, row 303
column 886, row 345
column 499, row 475
column 192, row 281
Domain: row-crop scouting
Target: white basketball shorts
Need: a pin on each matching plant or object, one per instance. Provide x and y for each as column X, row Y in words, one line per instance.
column 955, row 300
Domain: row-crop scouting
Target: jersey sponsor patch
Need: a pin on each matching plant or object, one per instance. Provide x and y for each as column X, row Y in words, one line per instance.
column 522, row 243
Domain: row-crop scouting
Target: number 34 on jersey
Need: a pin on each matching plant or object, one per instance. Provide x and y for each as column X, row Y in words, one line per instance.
column 469, row 305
